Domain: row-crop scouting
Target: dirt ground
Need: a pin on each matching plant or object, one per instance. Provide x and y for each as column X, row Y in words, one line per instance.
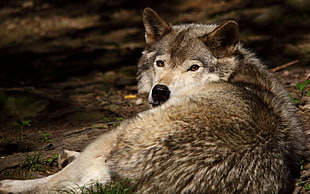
column 68, row 68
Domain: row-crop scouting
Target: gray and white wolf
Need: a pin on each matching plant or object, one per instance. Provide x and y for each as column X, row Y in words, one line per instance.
column 220, row 122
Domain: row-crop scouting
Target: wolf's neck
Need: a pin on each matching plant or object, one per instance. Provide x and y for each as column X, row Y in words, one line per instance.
column 251, row 73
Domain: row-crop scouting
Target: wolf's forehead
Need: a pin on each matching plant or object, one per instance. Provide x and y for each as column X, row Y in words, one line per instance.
column 192, row 30
column 183, row 41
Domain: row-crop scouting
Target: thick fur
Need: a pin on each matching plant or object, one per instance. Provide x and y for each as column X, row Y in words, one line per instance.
column 227, row 127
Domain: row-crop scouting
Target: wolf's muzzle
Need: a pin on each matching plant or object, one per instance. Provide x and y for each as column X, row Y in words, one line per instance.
column 160, row 94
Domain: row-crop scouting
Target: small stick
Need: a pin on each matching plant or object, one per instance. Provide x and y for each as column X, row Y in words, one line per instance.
column 284, row 66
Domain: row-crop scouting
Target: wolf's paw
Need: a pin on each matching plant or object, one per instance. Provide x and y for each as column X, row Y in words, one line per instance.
column 66, row 157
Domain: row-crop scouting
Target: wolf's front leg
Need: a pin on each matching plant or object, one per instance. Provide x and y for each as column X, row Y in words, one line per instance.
column 75, row 175
column 78, row 173
column 89, row 167
column 24, row 186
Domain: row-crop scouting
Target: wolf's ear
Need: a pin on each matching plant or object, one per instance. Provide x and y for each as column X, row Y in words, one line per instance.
column 155, row 26
column 223, row 40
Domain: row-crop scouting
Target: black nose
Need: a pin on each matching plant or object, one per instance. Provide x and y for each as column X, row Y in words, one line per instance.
column 160, row 94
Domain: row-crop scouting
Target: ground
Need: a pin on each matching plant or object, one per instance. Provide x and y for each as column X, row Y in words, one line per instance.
column 68, row 68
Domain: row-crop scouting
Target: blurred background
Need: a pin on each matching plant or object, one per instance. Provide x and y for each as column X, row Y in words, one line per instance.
column 68, row 67
column 49, row 40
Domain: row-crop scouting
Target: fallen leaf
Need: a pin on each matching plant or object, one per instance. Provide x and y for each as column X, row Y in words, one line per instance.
column 131, row 96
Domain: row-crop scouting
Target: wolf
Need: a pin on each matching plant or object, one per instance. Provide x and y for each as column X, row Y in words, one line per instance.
column 220, row 122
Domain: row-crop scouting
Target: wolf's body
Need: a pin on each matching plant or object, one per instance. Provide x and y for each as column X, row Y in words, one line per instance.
column 224, row 124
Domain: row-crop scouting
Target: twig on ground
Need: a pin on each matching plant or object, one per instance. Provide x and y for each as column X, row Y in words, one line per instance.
column 284, row 66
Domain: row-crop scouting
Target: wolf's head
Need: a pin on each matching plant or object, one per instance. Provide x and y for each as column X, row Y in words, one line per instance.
column 180, row 58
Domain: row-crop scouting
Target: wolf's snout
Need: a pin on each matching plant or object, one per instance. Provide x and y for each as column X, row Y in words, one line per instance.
column 160, row 94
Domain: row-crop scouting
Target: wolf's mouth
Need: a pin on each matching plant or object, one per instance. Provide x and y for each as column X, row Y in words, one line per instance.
column 160, row 94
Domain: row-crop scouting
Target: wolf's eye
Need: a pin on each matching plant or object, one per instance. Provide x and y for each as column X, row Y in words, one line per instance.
column 160, row 63
column 194, row 68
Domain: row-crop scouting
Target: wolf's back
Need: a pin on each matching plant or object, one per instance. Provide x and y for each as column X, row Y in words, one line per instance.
column 225, row 138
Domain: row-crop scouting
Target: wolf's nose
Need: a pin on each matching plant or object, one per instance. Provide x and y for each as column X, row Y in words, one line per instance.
column 160, row 94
